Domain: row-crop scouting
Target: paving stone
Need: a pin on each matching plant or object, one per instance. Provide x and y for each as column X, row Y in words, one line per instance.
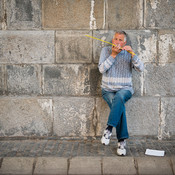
column 51, row 165
column 76, row 113
column 31, row 117
column 25, row 79
column 114, row 165
column 159, row 80
column 73, row 47
column 124, row 14
column 85, row 165
column 152, row 165
column 167, row 117
column 159, row 14
column 143, row 42
column 23, row 14
column 27, row 47
column 14, row 165
column 166, row 46
column 72, row 79
column 74, row 14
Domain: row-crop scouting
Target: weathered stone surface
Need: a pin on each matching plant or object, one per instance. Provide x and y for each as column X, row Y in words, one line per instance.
column 142, row 115
column 25, row 117
column 73, row 116
column 143, row 42
column 73, row 47
column 74, row 14
column 159, row 80
column 114, row 165
column 23, row 79
column 159, row 14
column 66, row 80
column 51, row 165
column 85, row 165
column 124, row 14
column 17, row 165
column 2, row 80
column 153, row 165
column 27, row 47
column 167, row 117
column 23, row 14
column 167, row 46
column 1, row 14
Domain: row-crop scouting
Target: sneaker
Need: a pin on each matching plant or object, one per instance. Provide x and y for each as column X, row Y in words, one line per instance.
column 121, row 151
column 106, row 137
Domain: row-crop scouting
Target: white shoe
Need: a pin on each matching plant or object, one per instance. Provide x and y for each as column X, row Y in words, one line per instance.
column 121, row 151
column 106, row 137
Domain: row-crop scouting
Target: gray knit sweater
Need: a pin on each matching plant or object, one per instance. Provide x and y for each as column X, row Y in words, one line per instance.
column 117, row 73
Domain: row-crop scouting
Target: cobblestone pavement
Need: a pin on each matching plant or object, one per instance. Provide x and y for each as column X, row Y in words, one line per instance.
column 72, row 148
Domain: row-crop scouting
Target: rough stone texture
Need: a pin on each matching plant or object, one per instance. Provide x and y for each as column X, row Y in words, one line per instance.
column 85, row 165
column 166, row 46
column 27, row 47
column 1, row 14
column 167, row 117
column 14, row 165
column 159, row 14
column 73, row 116
column 23, row 14
column 159, row 80
column 2, row 80
column 23, row 79
column 124, row 14
column 73, row 14
column 150, row 165
column 73, row 47
column 143, row 43
column 25, row 117
column 142, row 115
column 66, row 80
column 114, row 165
column 53, row 165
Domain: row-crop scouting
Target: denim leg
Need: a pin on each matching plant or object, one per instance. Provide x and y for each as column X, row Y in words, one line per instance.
column 117, row 116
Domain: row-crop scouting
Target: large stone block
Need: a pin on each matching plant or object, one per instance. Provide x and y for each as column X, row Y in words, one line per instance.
column 51, row 165
column 17, row 165
column 23, row 79
column 167, row 117
column 73, row 47
column 1, row 14
column 25, row 117
column 73, row 14
column 159, row 14
column 167, row 46
column 143, row 42
column 66, row 80
column 27, row 47
column 125, row 14
column 142, row 115
column 159, row 80
column 23, row 14
column 85, row 165
column 73, row 116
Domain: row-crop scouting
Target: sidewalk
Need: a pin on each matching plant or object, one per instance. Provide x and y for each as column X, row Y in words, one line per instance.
column 89, row 156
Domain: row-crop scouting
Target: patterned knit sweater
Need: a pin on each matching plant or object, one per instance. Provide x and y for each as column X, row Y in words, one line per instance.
column 117, row 73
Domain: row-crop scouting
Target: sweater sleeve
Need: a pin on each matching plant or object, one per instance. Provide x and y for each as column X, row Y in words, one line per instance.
column 137, row 63
column 106, row 61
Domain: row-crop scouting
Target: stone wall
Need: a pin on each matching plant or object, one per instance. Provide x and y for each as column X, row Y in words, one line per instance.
column 49, row 78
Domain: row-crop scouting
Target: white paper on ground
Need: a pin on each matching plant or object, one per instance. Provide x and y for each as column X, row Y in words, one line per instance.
column 152, row 152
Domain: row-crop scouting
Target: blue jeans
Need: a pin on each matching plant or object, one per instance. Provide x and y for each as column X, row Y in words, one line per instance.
column 117, row 117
